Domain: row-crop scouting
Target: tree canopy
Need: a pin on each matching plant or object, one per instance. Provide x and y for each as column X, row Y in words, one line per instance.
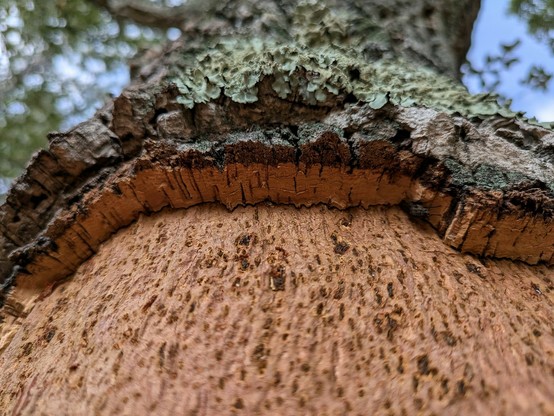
column 539, row 15
column 59, row 61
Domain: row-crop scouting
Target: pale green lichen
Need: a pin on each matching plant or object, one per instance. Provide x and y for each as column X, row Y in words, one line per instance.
column 314, row 24
column 317, row 66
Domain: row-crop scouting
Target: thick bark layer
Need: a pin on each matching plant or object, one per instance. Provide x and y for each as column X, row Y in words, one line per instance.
column 481, row 211
column 279, row 310
column 307, row 85
column 439, row 167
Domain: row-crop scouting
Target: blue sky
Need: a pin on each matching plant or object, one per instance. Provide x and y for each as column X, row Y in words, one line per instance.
column 494, row 27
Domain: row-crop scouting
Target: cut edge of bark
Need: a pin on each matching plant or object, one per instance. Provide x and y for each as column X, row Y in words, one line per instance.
column 96, row 179
column 322, row 170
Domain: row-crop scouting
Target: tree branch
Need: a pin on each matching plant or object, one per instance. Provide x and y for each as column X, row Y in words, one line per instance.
column 145, row 13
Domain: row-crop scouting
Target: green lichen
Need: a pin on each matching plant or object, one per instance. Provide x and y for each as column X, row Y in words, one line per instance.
column 317, row 67
column 485, row 176
column 489, row 177
column 461, row 175
column 315, row 25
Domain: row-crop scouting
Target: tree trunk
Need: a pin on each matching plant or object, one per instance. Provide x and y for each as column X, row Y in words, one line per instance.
column 352, row 306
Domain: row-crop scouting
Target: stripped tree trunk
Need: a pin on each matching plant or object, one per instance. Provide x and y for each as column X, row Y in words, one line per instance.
column 420, row 280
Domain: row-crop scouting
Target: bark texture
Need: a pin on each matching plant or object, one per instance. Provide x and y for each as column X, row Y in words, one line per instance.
column 279, row 310
column 425, row 31
column 342, row 103
column 358, row 157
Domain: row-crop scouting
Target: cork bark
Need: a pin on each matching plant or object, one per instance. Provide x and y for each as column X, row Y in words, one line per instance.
column 431, row 212
column 279, row 310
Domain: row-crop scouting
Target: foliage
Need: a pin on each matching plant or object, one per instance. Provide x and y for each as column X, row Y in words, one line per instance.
column 490, row 75
column 539, row 16
column 58, row 61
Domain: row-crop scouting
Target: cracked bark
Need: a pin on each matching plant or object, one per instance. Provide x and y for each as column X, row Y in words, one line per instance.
column 484, row 185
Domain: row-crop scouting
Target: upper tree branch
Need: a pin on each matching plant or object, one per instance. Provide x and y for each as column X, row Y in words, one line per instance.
column 145, row 13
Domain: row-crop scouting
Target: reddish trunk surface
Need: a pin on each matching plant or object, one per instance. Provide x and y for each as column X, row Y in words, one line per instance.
column 278, row 310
